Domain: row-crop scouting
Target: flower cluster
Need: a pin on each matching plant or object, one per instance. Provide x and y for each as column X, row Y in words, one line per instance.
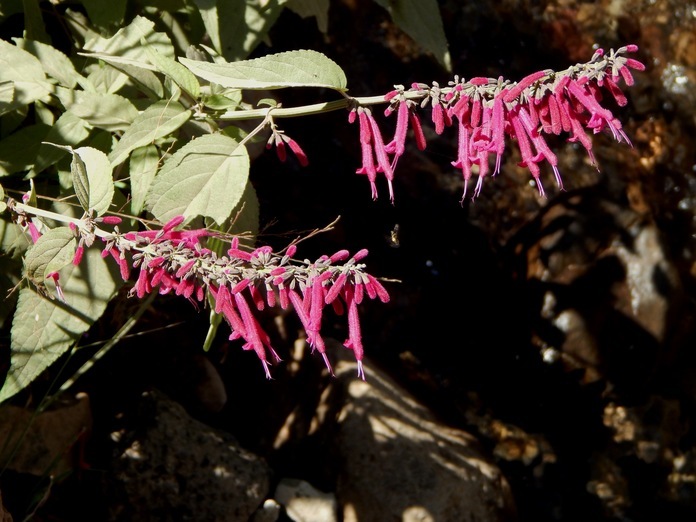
column 487, row 110
column 176, row 261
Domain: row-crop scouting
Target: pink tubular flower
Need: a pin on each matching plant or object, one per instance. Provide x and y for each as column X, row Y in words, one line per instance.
column 487, row 110
column 242, row 283
column 279, row 139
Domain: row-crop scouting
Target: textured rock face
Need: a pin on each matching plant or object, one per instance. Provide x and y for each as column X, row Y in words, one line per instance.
column 177, row 468
column 397, row 462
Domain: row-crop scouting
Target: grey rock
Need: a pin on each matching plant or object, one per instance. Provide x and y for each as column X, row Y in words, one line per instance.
column 397, row 462
column 304, row 503
column 177, row 468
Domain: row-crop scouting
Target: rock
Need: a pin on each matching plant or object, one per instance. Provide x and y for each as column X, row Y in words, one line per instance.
column 4, row 514
column 173, row 467
column 397, row 462
column 304, row 503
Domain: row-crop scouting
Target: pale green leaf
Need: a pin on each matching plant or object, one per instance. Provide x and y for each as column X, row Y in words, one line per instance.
column 43, row 329
column 206, row 177
column 142, row 169
column 104, row 79
column 208, row 11
column 99, row 174
column 54, row 62
column 174, row 71
column 7, row 97
column 146, row 81
column 53, row 251
column 24, row 69
column 18, row 151
column 106, row 111
column 289, row 69
column 421, row 20
column 80, row 181
column 316, row 8
column 127, row 41
column 68, row 130
column 158, row 120
column 244, row 24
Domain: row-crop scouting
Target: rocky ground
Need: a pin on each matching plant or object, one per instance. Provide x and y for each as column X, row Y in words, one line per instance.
column 536, row 362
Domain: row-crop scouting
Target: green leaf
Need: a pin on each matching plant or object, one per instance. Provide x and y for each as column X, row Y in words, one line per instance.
column 3, row 205
column 158, row 120
column 33, row 22
column 174, row 71
column 106, row 111
column 236, row 27
column 24, row 69
column 7, row 97
column 421, row 20
column 316, row 8
column 18, row 151
column 100, row 180
column 143, row 167
column 275, row 71
column 67, row 130
column 105, row 15
column 127, row 41
column 44, row 329
column 54, row 62
column 206, row 177
column 53, row 251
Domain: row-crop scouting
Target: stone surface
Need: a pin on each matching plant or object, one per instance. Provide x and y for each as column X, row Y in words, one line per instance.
column 174, row 467
column 397, row 462
column 304, row 503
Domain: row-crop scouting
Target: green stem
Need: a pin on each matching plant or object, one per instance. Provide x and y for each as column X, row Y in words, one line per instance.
column 308, row 110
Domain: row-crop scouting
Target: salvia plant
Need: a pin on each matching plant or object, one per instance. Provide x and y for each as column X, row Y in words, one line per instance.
column 148, row 172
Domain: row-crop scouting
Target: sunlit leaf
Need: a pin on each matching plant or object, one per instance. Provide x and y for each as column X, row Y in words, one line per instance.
column 106, row 111
column 158, row 120
column 54, row 62
column 142, row 169
column 275, row 71
column 43, row 329
column 99, row 174
column 206, row 177
column 175, row 71
column 53, row 251
column 127, row 41
column 25, row 70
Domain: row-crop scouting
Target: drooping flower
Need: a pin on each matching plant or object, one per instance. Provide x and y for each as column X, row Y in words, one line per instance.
column 176, row 261
column 486, row 111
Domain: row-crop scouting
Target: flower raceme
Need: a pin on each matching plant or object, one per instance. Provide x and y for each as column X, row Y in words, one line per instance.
column 487, row 110
column 240, row 282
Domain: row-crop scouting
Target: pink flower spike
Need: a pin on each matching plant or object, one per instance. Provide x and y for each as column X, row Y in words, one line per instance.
column 341, row 255
column 297, row 150
column 59, row 290
column 184, row 269
column 360, row 254
column 417, row 130
column 33, row 231
column 79, row 251
column 111, row 220
column 173, row 223
column 398, row 145
column 354, row 341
